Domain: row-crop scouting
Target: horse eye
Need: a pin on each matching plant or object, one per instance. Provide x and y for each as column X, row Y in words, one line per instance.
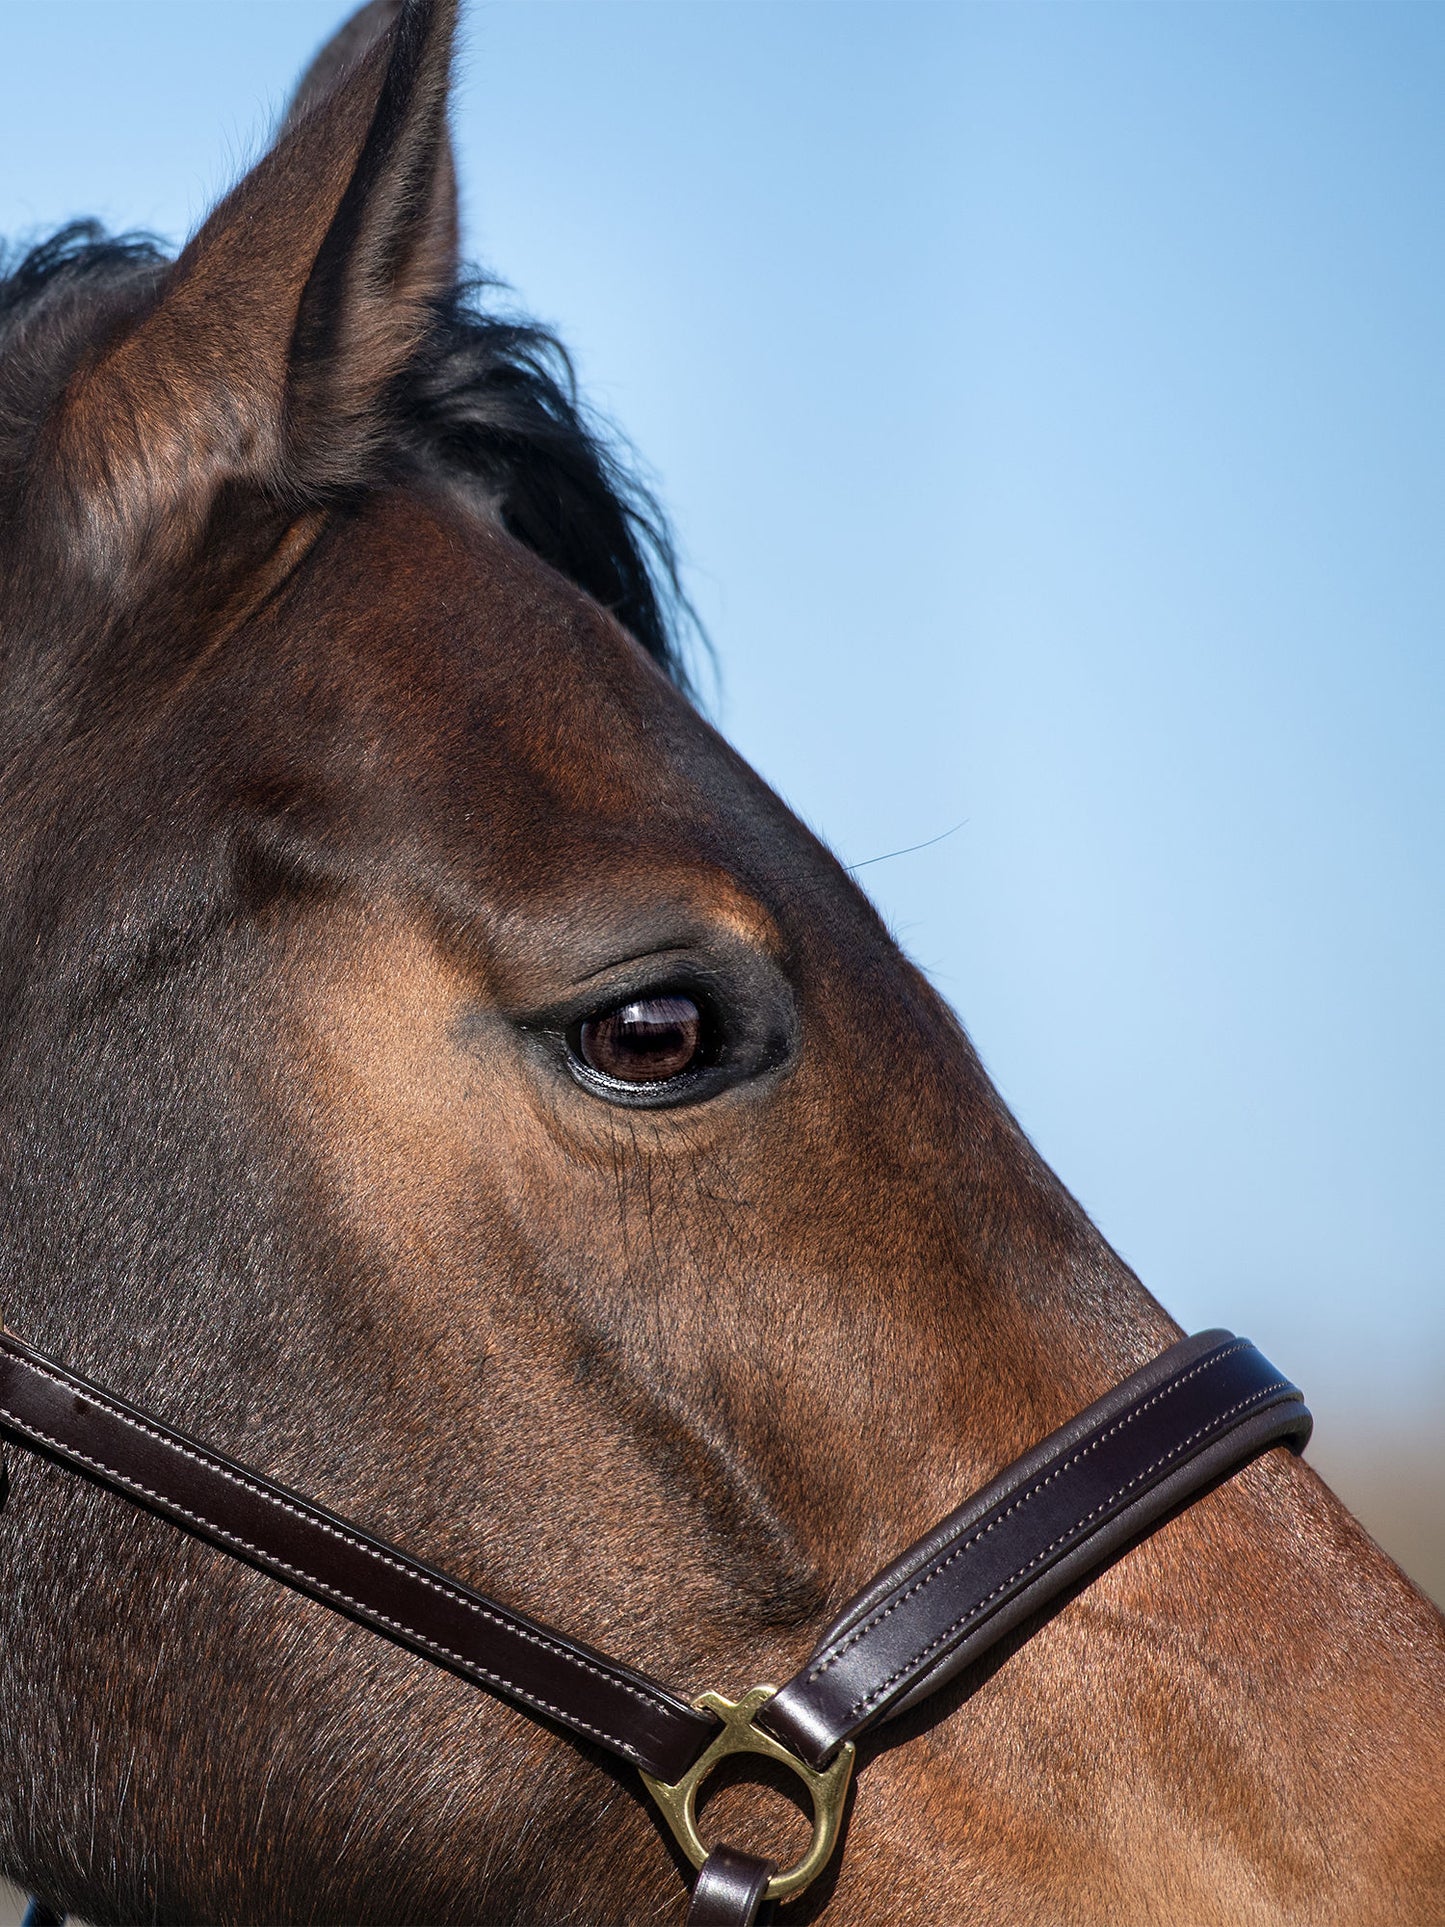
column 646, row 1041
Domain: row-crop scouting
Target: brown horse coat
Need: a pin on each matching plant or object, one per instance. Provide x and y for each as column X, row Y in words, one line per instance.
column 334, row 801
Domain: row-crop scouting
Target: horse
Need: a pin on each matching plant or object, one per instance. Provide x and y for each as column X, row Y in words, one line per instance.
column 439, row 1071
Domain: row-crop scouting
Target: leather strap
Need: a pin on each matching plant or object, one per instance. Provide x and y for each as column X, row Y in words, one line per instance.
column 729, row 1889
column 327, row 1557
column 1160, row 1438
column 1048, row 1522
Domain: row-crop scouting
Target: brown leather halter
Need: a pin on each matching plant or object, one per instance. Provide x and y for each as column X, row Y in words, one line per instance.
column 1046, row 1525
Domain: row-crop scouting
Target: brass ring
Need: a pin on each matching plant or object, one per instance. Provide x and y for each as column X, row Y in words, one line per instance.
column 827, row 1788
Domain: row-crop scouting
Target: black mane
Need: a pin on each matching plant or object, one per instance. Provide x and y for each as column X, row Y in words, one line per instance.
column 491, row 401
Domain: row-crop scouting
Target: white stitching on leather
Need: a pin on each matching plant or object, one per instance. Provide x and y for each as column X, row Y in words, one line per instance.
column 858, row 1632
column 943, row 1638
column 941, row 1565
column 359, row 1544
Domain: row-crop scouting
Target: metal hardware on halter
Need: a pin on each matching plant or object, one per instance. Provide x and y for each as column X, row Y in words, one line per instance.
column 827, row 1787
column 1054, row 1517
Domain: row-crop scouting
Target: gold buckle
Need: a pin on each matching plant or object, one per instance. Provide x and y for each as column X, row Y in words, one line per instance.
column 827, row 1788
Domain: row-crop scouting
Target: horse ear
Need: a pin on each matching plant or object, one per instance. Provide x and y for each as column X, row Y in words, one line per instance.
column 354, row 38
column 271, row 343
column 340, row 54
column 346, row 47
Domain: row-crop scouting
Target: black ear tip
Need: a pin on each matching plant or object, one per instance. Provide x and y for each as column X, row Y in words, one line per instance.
column 353, row 39
column 422, row 16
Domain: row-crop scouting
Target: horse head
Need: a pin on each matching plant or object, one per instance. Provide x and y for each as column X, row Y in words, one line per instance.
column 438, row 1069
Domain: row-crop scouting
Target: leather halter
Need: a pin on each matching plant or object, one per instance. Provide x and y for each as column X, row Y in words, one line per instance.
column 1047, row 1524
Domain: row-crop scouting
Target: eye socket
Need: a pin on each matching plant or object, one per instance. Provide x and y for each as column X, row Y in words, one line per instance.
column 648, row 1040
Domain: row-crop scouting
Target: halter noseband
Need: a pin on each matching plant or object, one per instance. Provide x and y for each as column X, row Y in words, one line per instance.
column 1046, row 1525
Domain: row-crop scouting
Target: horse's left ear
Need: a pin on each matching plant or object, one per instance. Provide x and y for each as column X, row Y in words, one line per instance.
column 268, row 353
column 391, row 250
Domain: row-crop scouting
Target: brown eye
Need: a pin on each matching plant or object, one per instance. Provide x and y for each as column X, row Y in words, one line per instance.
column 645, row 1042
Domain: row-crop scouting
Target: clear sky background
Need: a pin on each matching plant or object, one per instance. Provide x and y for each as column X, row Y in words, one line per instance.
column 1051, row 403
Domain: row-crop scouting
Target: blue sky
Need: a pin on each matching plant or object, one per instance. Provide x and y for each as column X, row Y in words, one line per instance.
column 1050, row 400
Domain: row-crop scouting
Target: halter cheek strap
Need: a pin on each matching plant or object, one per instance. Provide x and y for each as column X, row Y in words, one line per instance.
column 1045, row 1525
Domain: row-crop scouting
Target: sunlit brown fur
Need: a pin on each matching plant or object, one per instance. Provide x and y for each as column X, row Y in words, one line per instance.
column 309, row 811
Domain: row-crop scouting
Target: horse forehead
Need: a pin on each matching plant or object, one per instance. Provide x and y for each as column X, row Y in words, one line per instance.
column 519, row 703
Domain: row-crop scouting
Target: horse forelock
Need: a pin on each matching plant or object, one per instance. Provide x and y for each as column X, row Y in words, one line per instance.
column 487, row 405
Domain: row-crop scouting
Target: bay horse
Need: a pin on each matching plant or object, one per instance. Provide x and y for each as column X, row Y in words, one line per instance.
column 438, row 1070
